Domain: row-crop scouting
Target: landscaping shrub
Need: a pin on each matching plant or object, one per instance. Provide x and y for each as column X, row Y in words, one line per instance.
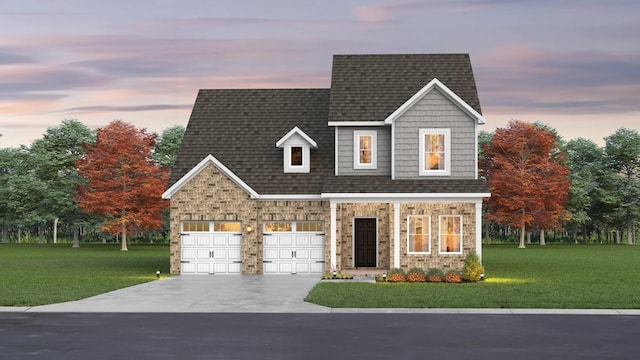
column 453, row 277
column 396, row 275
column 416, row 275
column 473, row 269
column 435, row 275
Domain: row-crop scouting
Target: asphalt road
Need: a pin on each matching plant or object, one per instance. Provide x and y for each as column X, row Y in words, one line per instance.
column 316, row 336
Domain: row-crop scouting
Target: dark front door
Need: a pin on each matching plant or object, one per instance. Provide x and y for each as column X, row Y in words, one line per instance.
column 365, row 242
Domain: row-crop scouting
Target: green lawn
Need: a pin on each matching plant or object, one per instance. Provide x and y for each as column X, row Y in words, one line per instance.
column 552, row 276
column 44, row 274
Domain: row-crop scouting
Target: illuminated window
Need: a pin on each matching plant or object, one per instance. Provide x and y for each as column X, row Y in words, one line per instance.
column 435, row 152
column 278, row 226
column 195, row 226
column 227, row 226
column 365, row 151
column 419, row 231
column 451, row 234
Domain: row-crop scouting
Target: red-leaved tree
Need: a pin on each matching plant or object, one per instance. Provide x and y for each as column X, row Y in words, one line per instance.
column 527, row 178
column 123, row 184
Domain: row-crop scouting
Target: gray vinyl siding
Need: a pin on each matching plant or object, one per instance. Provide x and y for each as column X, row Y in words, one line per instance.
column 435, row 110
column 345, row 151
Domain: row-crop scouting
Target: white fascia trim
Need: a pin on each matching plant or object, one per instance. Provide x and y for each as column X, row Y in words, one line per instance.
column 291, row 197
column 404, row 197
column 210, row 159
column 357, row 123
column 425, row 90
column 296, row 130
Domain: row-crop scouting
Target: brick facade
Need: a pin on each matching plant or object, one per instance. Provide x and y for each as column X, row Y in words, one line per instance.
column 211, row 195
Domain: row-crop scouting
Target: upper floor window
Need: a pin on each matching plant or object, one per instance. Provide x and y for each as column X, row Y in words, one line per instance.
column 365, row 149
column 296, row 156
column 419, row 234
column 451, row 234
column 435, row 152
column 296, row 145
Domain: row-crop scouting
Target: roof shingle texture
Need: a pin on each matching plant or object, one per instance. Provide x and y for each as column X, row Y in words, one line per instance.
column 240, row 129
column 371, row 87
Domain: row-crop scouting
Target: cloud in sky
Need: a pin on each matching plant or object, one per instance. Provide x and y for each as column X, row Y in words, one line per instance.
column 536, row 60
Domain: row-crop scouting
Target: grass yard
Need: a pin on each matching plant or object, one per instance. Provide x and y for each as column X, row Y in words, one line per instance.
column 44, row 274
column 552, row 276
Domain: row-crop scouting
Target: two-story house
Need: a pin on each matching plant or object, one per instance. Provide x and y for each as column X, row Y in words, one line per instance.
column 378, row 171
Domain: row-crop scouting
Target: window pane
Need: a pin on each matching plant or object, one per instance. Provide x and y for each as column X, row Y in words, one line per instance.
column 419, row 238
column 195, row 226
column 296, row 156
column 226, row 226
column 365, row 149
column 450, row 234
column 434, row 151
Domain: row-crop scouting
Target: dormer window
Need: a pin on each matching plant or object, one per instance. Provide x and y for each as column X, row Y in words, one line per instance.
column 296, row 155
column 365, row 154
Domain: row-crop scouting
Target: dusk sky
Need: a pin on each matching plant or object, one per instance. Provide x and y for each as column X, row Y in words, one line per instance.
column 573, row 65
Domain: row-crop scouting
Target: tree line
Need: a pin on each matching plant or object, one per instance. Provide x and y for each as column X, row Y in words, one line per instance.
column 91, row 183
column 576, row 189
column 102, row 183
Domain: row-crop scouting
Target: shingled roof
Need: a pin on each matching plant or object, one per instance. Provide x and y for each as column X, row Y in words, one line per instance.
column 240, row 129
column 371, row 87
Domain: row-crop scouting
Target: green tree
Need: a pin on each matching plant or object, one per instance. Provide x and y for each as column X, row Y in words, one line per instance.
column 167, row 146
column 623, row 155
column 58, row 150
column 585, row 161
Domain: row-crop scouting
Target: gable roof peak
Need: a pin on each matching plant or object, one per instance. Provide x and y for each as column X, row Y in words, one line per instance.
column 435, row 84
column 296, row 130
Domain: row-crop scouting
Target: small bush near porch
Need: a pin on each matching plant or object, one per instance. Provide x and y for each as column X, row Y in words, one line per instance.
column 552, row 276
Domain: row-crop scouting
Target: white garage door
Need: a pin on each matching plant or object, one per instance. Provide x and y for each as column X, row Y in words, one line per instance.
column 296, row 250
column 211, row 252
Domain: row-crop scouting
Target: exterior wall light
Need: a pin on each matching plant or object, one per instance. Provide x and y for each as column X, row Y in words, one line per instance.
column 249, row 229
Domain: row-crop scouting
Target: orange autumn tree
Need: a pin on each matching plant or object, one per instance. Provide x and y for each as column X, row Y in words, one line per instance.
column 527, row 177
column 123, row 184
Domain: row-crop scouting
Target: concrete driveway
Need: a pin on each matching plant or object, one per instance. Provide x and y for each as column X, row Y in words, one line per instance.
column 202, row 294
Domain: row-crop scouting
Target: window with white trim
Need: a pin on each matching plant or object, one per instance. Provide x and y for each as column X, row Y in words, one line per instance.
column 435, row 152
column 365, row 154
column 419, row 234
column 450, row 234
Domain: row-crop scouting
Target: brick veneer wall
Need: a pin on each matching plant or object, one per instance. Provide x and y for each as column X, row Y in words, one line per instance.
column 436, row 259
column 211, row 195
column 345, row 213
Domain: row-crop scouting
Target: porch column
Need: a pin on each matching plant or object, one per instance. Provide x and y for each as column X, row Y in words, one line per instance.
column 334, row 232
column 396, row 235
column 479, row 229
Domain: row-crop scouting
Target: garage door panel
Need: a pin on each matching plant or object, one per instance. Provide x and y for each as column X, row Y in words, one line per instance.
column 234, row 254
column 285, row 240
column 316, row 254
column 317, row 240
column 287, row 253
column 188, row 241
column 203, row 240
column 211, row 253
column 220, row 240
column 234, row 240
column 188, row 254
column 302, row 240
column 302, row 254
